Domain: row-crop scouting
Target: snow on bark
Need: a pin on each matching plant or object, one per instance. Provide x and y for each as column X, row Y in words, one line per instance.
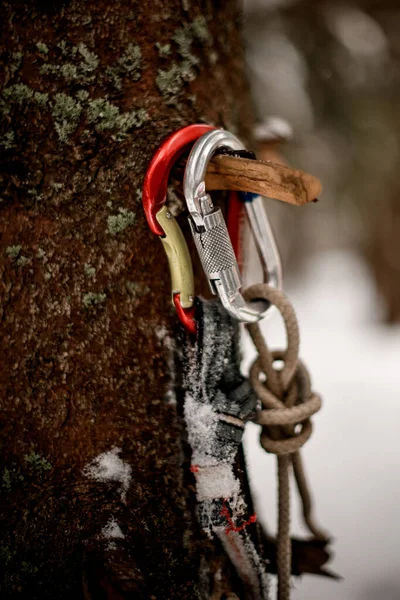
column 109, row 467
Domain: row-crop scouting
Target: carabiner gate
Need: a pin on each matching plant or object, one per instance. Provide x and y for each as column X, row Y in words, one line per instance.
column 211, row 235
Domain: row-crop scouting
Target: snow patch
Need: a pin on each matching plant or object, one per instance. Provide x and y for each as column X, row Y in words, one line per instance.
column 216, row 482
column 112, row 531
column 169, row 344
column 201, row 422
column 161, row 333
column 108, row 467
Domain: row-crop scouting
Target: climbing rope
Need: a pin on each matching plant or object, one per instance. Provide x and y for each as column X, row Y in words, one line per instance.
column 288, row 403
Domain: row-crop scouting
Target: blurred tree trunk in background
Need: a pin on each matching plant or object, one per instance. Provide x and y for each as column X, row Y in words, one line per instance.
column 383, row 251
column 89, row 89
column 333, row 71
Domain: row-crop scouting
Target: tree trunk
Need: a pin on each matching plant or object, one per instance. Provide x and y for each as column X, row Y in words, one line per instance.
column 95, row 499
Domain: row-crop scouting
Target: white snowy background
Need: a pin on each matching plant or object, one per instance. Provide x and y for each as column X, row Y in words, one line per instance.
column 352, row 458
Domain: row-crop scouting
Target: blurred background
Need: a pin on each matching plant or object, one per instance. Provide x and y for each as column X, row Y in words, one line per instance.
column 327, row 75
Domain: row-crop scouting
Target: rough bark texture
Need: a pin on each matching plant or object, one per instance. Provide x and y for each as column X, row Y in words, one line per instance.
column 89, row 89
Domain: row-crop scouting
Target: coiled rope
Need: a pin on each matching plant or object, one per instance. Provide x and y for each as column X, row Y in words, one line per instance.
column 288, row 403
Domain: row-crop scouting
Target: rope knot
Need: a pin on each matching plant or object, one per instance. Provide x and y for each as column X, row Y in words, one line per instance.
column 286, row 413
column 286, row 395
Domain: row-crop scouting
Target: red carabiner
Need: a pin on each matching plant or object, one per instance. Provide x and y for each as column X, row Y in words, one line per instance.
column 156, row 179
column 155, row 194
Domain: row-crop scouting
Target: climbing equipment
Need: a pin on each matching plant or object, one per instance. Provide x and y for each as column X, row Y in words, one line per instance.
column 218, row 399
column 211, row 235
column 207, row 224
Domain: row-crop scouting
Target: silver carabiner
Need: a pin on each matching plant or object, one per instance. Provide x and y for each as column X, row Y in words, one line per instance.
column 211, row 236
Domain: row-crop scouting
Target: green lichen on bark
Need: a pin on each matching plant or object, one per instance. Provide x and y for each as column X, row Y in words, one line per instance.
column 89, row 63
column 20, row 93
column 38, row 464
column 28, row 568
column 6, row 480
column 13, row 251
column 163, row 49
column 22, row 261
column 77, row 64
column 11, row 477
column 136, row 290
column 106, row 116
column 92, row 299
column 200, row 30
column 89, row 270
column 66, row 113
column 82, row 95
column 128, row 65
column 83, row 66
column 119, row 222
column 171, row 81
column 42, row 47
column 81, row 71
column 15, row 63
column 33, row 468
column 8, row 140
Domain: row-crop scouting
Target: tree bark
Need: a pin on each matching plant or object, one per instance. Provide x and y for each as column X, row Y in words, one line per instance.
column 96, row 501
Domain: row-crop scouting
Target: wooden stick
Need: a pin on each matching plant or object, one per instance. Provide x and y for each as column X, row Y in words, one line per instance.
column 266, row 178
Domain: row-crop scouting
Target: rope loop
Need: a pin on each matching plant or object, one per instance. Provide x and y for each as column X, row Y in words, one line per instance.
column 288, row 404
